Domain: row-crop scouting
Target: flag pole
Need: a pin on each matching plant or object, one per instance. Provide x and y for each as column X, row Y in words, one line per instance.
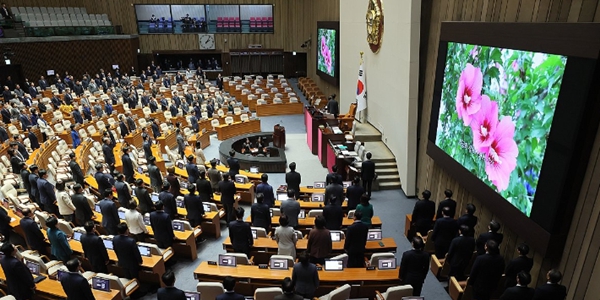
column 360, row 113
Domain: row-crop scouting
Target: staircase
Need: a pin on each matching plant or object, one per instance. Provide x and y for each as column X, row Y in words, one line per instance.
column 18, row 31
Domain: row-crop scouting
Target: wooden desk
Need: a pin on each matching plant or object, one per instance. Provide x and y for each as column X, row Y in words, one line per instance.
column 312, row 205
column 228, row 131
column 135, row 138
column 309, row 222
column 169, row 139
column 279, row 109
column 270, row 245
column 246, row 190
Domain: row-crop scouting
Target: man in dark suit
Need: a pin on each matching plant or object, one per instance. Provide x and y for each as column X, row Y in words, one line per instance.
column 333, row 107
column 356, row 240
column 94, row 249
column 18, row 277
column 240, row 233
column 3, row 134
column 220, row 82
column 518, row 264
column 204, row 188
column 354, row 193
column 43, row 83
column 552, row 290
column 192, row 169
column 460, row 253
column 47, row 194
column 423, row 212
column 444, row 231
column 105, row 181
column 110, row 216
column 266, row 189
column 169, row 292
column 214, row 175
column 447, row 202
column 469, row 219
column 333, row 176
column 194, row 206
column 128, row 254
column 156, row 179
column 24, row 120
column 367, row 173
column 173, row 180
column 78, row 176
column 123, row 126
column 333, row 214
column 168, row 201
column 127, row 166
column 520, row 291
column 109, row 155
column 228, row 190
column 123, row 192
column 487, row 271
column 229, row 284
column 492, row 234
column 233, row 164
column 260, row 213
column 83, row 211
column 147, row 146
column 162, row 226
column 33, row 234
column 155, row 128
column 293, row 179
column 336, row 190
column 129, row 119
column 33, row 178
column 181, row 143
column 74, row 284
column 145, row 203
column 5, row 228
column 414, row 266
column 77, row 116
column 25, row 178
column 5, row 11
column 14, row 161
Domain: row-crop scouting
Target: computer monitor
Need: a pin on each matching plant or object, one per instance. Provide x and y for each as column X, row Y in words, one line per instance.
column 180, row 203
column 115, row 67
column 144, row 250
column 178, row 226
column 33, row 267
column 121, row 214
column 374, row 235
column 302, row 214
column 192, row 295
column 101, row 284
column 184, row 185
column 319, row 184
column 179, row 164
column 147, row 220
column 207, row 207
column 50, row 72
column 154, row 197
column 334, row 265
column 282, row 196
column 386, row 264
column 97, row 208
column 77, row 235
column 227, row 260
column 318, row 197
column 254, row 234
column 108, row 243
column 279, row 264
column 60, row 273
column 254, row 170
column 346, row 184
column 336, row 236
column 271, row 212
column 240, row 180
column 140, row 170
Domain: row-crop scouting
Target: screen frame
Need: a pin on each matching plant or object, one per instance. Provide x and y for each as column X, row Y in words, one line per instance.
column 564, row 165
column 334, row 25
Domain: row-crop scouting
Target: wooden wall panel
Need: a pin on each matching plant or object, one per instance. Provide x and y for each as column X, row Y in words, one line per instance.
column 579, row 262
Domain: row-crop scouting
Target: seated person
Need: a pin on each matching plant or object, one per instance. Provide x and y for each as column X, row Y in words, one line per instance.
column 246, row 146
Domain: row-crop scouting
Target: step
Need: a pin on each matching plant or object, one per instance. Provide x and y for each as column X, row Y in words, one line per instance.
column 381, row 172
column 390, row 185
column 385, row 164
column 388, row 178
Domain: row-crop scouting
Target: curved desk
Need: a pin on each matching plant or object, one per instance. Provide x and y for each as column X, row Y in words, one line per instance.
column 238, row 128
column 271, row 164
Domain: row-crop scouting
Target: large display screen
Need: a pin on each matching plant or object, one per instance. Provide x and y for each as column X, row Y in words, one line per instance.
column 495, row 115
column 326, row 52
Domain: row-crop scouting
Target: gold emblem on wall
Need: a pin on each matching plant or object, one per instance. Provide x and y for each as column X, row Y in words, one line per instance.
column 374, row 25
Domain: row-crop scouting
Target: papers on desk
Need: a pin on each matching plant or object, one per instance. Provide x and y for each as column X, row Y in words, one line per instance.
column 336, row 130
column 12, row 220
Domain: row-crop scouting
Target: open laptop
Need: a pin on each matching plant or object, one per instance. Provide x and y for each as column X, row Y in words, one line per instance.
column 386, row 264
column 254, row 170
column 34, row 268
column 184, row 185
column 346, row 184
column 374, row 235
column 254, row 234
column 227, row 260
column 302, row 214
column 144, row 250
column 192, row 295
column 108, row 244
column 101, row 284
column 121, row 214
column 319, row 185
column 279, row 264
column 60, row 273
column 147, row 221
column 318, row 197
column 140, row 170
column 97, row 208
column 240, row 180
column 336, row 236
column 154, row 197
column 77, row 235
column 180, row 203
column 206, row 207
column 179, row 164
column 282, row 196
column 334, row 265
column 178, row 226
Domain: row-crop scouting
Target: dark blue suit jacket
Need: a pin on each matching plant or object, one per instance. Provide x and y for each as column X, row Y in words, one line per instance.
column 76, row 286
column 162, row 227
column 47, row 195
column 18, row 278
column 35, row 144
column 33, row 182
column 127, row 251
column 127, row 167
column 94, row 249
column 550, row 292
column 193, row 172
column 104, row 181
column 230, row 296
column 267, row 191
column 109, row 156
column 169, row 202
column 170, row 293
column 33, row 233
column 354, row 192
column 356, row 238
column 110, row 217
column 194, row 207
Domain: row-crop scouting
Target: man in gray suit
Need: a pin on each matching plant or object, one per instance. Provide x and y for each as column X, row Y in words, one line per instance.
column 180, row 143
column 291, row 208
column 156, row 179
column 214, row 175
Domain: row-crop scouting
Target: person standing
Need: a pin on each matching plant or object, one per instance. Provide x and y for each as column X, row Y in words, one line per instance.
column 260, row 214
column 334, row 189
column 353, row 193
column 518, row 264
column 414, row 266
column 267, row 190
column 109, row 156
column 487, row 271
column 204, row 188
column 128, row 254
column 552, row 290
column 333, row 215
column 469, row 219
column 192, row 170
column 83, row 211
column 367, row 210
column 162, row 226
column 59, row 245
column 110, row 216
column 33, row 178
column 105, row 181
column 169, row 292
column 135, row 222
column 240, row 233
column 293, row 180
column 156, row 179
column 78, row 176
column 66, row 208
column 367, row 173
column 33, row 235
column 94, row 249
column 291, row 208
column 447, row 202
column 520, row 291
column 175, row 188
column 123, row 191
column 47, row 195
column 145, row 202
column 228, row 190
column 492, row 234
column 460, row 253
column 127, row 165
column 168, row 201
column 444, row 231
column 18, row 277
column 305, row 277
column 233, row 164
column 319, row 243
column 286, row 238
column 356, row 240
column 423, row 213
column 194, row 206
column 74, row 284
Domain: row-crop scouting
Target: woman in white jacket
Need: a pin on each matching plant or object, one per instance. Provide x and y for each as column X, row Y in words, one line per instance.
column 63, row 200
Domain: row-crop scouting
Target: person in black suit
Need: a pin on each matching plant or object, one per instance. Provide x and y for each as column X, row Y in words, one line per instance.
column 520, row 291
column 168, row 201
column 128, row 254
column 469, row 219
column 43, row 83
column 145, row 203
column 123, row 126
column 147, row 146
column 333, row 214
column 192, row 169
column 194, row 207
column 229, row 284
column 552, row 290
column 18, row 277
column 204, row 188
column 155, row 128
column 414, row 266
column 127, row 166
column 518, row 264
column 5, row 228
column 74, row 284
column 423, row 213
column 492, row 234
column 293, row 179
column 169, row 292
column 156, row 178
column 354, row 193
column 333, row 107
column 83, row 211
column 110, row 216
column 174, row 185
column 33, row 234
column 14, row 161
column 123, row 192
column 368, row 173
column 336, row 190
column 287, row 286
column 94, row 249
column 233, row 164
column 104, row 180
column 5, row 11
column 78, row 176
column 162, row 226
column 447, row 202
column 35, row 144
column 228, row 190
column 240, row 233
column 220, row 82
column 333, row 176
column 33, row 177
column 460, row 253
column 260, row 213
column 47, row 194
column 444, row 230
column 487, row 271
column 109, row 155
column 356, row 240
column 25, row 178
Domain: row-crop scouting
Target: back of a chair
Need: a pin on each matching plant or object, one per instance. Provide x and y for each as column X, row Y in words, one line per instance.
column 210, row 290
column 313, row 213
column 397, row 292
column 244, row 118
column 65, row 227
column 8, row 190
column 375, row 257
column 260, row 232
column 454, row 289
column 214, row 123
column 229, row 120
column 289, row 258
column 341, row 293
column 267, row 293
column 241, row 258
column 213, row 206
column 82, row 134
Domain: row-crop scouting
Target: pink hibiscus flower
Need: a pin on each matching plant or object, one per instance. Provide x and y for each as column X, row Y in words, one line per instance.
column 327, row 58
column 323, row 44
column 468, row 97
column 484, row 124
column 501, row 157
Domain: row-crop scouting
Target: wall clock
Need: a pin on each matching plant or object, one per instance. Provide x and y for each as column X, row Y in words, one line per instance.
column 207, row 41
column 374, row 25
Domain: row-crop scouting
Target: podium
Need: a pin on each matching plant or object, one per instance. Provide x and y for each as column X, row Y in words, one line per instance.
column 279, row 136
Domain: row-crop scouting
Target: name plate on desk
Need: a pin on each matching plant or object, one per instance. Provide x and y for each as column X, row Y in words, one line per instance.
column 263, row 266
column 212, row 263
column 370, row 268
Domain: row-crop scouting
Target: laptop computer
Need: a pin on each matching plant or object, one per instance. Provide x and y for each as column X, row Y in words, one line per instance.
column 254, row 234
column 207, row 207
column 154, row 197
column 180, row 164
column 279, row 264
column 60, row 273
column 108, row 244
column 346, row 184
column 302, row 214
column 240, row 180
column 336, row 236
column 140, row 170
column 319, row 185
column 227, row 260
column 144, row 250
column 180, row 203
column 184, row 185
column 121, row 214
column 147, row 220
column 34, row 268
column 386, row 264
column 192, row 295
column 374, row 235
column 97, row 208
column 254, row 170
column 77, row 235
column 334, row 265
column 318, row 197
column 282, row 196
column 178, row 226
column 101, row 284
